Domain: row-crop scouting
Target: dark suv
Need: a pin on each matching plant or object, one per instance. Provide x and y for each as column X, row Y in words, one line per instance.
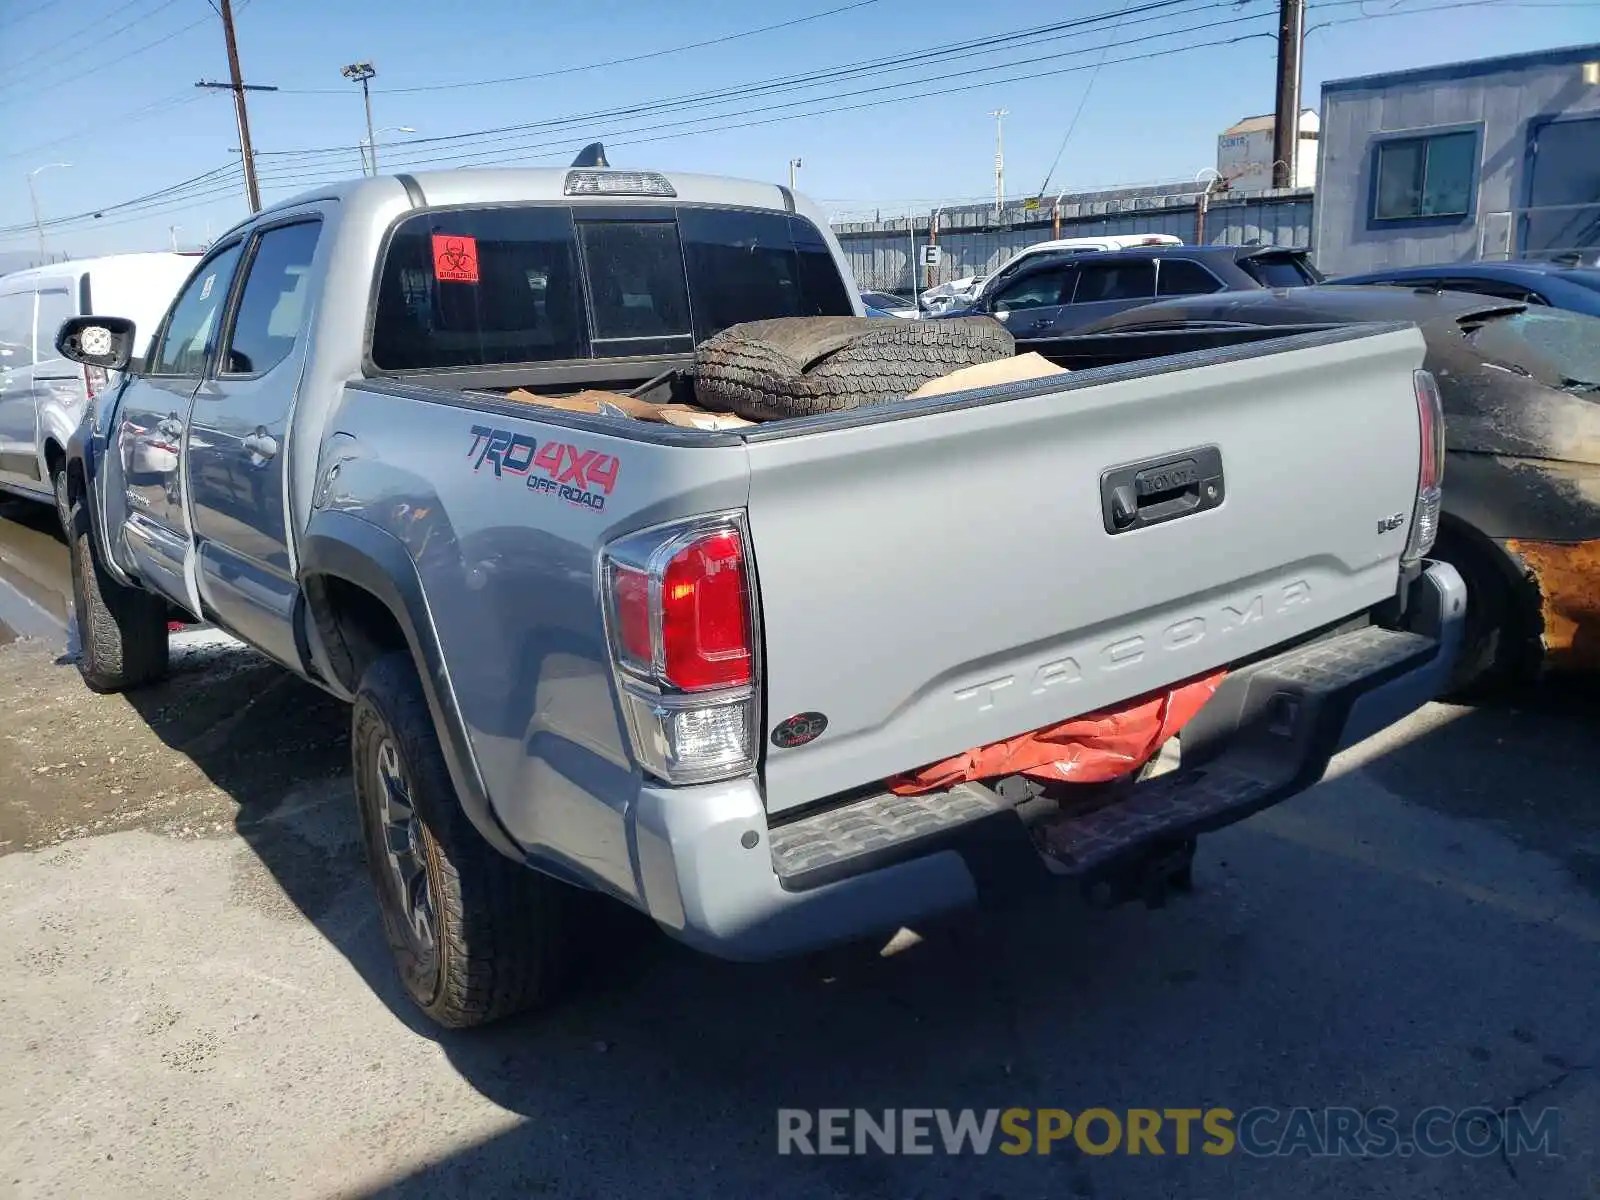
column 1059, row 293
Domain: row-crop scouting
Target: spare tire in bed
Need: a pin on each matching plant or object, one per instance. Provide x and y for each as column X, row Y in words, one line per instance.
column 801, row 366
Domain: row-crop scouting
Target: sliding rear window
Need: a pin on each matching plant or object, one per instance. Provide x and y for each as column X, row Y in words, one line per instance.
column 503, row 286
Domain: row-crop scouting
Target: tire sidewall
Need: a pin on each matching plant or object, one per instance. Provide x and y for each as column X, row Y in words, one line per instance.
column 372, row 724
column 79, row 566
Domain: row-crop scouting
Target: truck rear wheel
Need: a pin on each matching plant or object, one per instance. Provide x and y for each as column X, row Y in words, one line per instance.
column 801, row 366
column 476, row 936
column 122, row 631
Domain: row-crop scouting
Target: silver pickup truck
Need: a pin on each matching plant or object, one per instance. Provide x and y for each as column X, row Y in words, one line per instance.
column 676, row 665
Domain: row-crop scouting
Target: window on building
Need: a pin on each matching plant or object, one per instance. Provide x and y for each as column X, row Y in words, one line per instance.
column 1426, row 176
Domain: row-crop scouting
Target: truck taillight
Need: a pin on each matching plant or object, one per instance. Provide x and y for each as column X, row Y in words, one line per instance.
column 681, row 621
column 1430, row 479
column 95, row 380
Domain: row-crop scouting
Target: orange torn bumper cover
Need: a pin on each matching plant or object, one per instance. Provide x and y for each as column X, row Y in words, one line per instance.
column 1094, row 748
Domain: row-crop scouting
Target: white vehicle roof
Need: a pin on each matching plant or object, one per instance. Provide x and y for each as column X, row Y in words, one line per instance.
column 137, row 286
column 1109, row 241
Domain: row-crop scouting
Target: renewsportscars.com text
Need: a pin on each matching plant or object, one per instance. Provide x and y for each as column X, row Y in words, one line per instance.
column 1259, row 1132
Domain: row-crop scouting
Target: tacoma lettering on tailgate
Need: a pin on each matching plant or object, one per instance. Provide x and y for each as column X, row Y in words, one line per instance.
column 583, row 478
column 1133, row 648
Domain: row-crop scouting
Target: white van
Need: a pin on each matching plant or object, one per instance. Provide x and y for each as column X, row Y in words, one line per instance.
column 42, row 395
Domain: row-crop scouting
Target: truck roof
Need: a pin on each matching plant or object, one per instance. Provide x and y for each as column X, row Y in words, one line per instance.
column 532, row 185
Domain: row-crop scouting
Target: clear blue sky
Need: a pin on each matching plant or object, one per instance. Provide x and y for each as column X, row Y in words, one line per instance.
column 130, row 121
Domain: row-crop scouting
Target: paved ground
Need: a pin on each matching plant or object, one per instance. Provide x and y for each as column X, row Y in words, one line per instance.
column 197, row 1001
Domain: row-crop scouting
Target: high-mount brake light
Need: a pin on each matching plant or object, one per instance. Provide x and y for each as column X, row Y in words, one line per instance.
column 618, row 183
column 682, row 624
column 1430, row 478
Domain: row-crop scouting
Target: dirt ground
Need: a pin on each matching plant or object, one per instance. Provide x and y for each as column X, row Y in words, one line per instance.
column 165, row 759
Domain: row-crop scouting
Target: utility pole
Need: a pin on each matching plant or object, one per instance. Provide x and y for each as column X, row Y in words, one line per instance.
column 1286, row 124
column 362, row 73
column 238, row 87
column 794, row 172
column 999, row 115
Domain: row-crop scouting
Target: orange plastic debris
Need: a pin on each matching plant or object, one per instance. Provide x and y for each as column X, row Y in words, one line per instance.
column 1094, row 748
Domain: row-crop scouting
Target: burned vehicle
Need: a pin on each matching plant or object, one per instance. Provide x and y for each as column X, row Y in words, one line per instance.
column 1521, row 390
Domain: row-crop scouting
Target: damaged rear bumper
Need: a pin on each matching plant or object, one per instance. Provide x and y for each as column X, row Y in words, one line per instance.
column 713, row 872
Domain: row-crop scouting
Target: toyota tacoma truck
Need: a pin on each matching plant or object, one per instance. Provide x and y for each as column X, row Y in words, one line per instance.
column 678, row 666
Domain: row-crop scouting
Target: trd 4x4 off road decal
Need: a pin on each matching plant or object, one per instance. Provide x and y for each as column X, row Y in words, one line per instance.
column 580, row 477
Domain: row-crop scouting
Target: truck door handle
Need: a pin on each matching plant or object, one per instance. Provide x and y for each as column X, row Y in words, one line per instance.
column 1156, row 490
column 261, row 444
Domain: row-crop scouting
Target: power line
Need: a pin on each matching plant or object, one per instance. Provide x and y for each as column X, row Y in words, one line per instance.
column 18, row 18
column 31, row 87
column 102, row 128
column 945, row 52
column 942, row 78
column 169, row 198
column 595, row 66
column 657, row 133
column 54, row 56
column 1083, row 100
column 55, row 222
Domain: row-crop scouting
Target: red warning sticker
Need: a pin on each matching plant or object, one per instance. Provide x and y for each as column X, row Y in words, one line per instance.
column 455, row 258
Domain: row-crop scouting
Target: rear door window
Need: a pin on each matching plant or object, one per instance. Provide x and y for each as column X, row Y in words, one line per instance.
column 272, row 305
column 1185, row 277
column 1126, row 280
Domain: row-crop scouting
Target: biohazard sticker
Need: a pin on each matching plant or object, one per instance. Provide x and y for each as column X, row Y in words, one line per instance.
column 455, row 258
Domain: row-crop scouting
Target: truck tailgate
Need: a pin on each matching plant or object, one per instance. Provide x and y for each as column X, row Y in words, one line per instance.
column 938, row 583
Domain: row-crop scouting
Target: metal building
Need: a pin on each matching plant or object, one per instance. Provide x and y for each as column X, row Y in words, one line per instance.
column 1497, row 158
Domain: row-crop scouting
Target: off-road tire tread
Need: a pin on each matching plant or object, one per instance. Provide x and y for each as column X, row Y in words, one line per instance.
column 797, row 367
column 122, row 630
column 501, row 925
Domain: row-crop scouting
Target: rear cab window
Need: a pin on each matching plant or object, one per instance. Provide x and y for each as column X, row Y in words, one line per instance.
column 549, row 283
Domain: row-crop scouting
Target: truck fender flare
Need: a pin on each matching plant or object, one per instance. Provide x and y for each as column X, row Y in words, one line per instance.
column 340, row 546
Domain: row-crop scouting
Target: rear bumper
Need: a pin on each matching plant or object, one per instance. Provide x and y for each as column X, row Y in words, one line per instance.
column 713, row 872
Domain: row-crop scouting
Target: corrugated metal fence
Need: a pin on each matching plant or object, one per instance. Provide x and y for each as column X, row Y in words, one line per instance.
column 883, row 253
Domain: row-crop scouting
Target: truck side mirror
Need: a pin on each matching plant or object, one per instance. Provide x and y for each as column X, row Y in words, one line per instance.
column 96, row 341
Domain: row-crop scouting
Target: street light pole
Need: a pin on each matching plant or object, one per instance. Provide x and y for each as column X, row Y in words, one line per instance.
column 368, row 146
column 999, row 115
column 33, row 195
column 362, row 73
column 794, row 172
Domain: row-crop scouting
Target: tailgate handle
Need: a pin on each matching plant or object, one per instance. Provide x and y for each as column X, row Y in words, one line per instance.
column 1141, row 494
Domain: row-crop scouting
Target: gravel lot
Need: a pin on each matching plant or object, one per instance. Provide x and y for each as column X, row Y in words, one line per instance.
column 197, row 1000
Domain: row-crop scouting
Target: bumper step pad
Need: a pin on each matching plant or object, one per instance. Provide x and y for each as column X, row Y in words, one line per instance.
column 1266, row 734
column 874, row 825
